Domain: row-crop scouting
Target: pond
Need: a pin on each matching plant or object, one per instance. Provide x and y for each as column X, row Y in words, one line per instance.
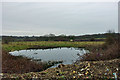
column 64, row 55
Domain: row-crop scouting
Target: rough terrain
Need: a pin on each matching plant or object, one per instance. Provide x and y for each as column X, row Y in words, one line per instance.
column 95, row 70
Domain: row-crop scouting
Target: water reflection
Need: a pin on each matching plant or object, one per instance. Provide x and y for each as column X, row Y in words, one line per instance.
column 67, row 55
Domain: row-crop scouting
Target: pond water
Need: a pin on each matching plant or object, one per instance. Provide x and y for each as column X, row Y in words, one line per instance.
column 67, row 55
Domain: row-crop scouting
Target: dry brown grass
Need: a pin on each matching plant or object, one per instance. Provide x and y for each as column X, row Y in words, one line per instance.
column 11, row 64
column 106, row 52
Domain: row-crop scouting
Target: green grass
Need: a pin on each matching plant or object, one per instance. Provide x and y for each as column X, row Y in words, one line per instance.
column 100, row 38
column 12, row 46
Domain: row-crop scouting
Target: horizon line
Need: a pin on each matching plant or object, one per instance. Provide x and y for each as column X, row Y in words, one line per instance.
column 55, row 34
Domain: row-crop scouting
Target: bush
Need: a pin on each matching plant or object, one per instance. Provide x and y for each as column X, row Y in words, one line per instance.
column 110, row 50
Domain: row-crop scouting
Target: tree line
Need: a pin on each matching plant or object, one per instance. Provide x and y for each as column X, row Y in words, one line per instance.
column 53, row 37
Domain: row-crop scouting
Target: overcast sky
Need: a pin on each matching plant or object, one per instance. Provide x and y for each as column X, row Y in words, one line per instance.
column 40, row 18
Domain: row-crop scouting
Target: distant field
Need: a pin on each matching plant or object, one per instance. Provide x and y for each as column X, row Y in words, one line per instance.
column 12, row 46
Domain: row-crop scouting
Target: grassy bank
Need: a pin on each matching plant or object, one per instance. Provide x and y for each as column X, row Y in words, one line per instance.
column 12, row 46
column 12, row 64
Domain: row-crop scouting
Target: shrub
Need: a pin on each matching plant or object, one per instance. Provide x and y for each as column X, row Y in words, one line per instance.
column 110, row 50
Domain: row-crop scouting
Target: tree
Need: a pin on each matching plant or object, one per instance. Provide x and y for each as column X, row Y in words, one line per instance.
column 50, row 35
column 72, row 37
column 62, row 35
column 110, row 37
column 92, row 39
column 6, row 39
